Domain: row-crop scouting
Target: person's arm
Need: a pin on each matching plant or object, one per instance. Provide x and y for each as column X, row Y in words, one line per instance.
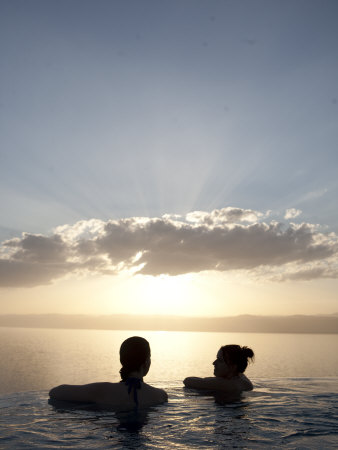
column 213, row 384
column 88, row 393
column 197, row 383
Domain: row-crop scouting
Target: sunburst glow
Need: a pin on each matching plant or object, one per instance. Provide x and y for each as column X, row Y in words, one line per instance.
column 166, row 294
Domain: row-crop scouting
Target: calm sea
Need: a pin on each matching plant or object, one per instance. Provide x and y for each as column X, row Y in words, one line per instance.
column 293, row 405
column 34, row 359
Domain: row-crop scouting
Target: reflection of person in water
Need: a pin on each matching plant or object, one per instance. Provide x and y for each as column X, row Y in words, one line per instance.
column 130, row 393
column 229, row 367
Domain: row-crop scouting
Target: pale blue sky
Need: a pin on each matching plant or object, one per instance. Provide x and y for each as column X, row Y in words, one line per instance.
column 117, row 109
column 122, row 108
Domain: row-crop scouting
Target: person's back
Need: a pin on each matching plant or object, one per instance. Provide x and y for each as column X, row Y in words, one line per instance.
column 128, row 394
column 114, row 395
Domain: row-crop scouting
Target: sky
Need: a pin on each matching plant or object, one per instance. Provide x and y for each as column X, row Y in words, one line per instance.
column 169, row 157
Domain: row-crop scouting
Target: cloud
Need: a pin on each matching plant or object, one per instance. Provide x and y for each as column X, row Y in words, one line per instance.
column 312, row 270
column 22, row 273
column 313, row 195
column 225, row 215
column 220, row 240
column 37, row 248
column 292, row 213
column 313, row 273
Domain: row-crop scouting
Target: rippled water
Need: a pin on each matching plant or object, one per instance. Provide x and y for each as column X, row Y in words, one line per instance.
column 291, row 412
column 282, row 411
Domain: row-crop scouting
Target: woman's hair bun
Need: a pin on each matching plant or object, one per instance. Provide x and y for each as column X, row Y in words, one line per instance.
column 237, row 355
column 247, row 352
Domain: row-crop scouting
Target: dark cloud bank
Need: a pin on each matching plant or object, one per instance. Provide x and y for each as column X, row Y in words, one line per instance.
column 222, row 240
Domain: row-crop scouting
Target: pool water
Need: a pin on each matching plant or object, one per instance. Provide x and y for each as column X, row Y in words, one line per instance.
column 295, row 413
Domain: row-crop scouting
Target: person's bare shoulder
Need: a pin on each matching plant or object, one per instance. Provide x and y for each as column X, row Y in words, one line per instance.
column 155, row 394
column 245, row 383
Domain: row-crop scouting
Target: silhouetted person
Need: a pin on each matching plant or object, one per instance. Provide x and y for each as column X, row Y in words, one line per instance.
column 229, row 379
column 128, row 394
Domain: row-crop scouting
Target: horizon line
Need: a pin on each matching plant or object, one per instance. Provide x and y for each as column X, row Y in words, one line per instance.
column 171, row 315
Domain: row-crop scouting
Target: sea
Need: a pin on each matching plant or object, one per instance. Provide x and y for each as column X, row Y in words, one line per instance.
column 294, row 403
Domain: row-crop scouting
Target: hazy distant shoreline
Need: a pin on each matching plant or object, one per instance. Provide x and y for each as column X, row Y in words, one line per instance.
column 320, row 324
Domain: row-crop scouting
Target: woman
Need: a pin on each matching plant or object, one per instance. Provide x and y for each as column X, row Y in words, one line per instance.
column 130, row 393
column 229, row 378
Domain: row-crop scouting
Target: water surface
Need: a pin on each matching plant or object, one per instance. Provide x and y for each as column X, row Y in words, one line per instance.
column 35, row 359
column 290, row 413
column 293, row 405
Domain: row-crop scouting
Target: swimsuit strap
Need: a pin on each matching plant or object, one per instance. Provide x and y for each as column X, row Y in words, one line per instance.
column 133, row 384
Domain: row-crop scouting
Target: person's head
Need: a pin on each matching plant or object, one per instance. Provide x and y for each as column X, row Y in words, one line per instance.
column 232, row 360
column 134, row 356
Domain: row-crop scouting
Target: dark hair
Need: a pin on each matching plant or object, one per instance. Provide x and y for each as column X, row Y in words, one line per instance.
column 238, row 355
column 133, row 353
